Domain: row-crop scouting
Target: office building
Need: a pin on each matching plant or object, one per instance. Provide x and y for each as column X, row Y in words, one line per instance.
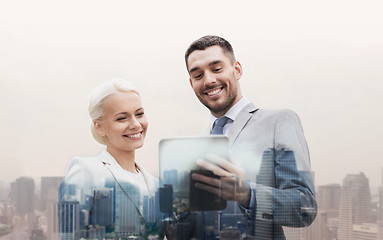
column 355, row 204
column 170, row 177
column 328, row 199
column 52, row 220
column 69, row 215
column 318, row 229
column 128, row 210
column 149, row 209
column 49, row 190
column 102, row 210
column 367, row 231
column 22, row 195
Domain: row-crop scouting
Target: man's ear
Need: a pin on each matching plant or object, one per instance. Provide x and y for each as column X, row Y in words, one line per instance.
column 237, row 70
column 98, row 127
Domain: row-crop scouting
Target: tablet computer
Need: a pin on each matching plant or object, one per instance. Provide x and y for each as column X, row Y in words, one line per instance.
column 177, row 161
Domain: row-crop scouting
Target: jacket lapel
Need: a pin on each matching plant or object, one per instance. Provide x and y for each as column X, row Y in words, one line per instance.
column 240, row 121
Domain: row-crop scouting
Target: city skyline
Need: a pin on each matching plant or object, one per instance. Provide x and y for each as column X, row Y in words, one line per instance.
column 320, row 59
column 37, row 181
column 337, row 204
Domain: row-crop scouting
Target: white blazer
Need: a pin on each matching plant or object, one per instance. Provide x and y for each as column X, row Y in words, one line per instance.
column 92, row 172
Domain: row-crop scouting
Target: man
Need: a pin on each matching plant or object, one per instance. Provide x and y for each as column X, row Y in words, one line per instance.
column 269, row 173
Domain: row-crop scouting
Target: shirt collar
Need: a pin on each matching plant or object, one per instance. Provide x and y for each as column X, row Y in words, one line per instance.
column 233, row 111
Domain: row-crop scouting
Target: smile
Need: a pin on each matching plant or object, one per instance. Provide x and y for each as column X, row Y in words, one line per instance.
column 134, row 136
column 214, row 92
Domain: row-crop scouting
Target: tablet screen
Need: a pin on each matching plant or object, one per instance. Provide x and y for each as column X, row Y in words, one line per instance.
column 177, row 161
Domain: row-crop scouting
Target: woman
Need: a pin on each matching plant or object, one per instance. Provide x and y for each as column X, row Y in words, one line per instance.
column 110, row 192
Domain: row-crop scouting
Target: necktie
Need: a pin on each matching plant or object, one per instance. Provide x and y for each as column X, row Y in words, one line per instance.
column 218, row 125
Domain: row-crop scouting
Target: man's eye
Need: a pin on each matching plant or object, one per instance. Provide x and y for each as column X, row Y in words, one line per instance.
column 217, row 69
column 198, row 76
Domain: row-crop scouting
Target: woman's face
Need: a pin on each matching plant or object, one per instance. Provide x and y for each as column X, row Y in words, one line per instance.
column 124, row 123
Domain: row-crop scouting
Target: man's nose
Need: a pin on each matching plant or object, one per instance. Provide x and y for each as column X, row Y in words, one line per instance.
column 210, row 79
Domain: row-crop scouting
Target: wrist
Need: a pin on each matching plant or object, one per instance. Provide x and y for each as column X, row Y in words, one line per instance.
column 244, row 197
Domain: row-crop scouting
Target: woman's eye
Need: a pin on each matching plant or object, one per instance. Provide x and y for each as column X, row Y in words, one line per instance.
column 121, row 118
column 217, row 69
column 140, row 114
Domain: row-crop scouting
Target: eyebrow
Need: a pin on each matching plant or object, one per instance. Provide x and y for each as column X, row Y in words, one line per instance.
column 125, row 113
column 210, row 64
column 120, row 113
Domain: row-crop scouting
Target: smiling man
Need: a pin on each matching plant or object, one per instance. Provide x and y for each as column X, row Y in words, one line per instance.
column 269, row 174
column 214, row 74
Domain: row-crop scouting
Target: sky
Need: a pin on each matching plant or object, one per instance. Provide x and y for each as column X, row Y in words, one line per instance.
column 321, row 59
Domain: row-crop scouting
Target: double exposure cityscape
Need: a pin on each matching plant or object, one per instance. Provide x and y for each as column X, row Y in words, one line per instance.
column 349, row 210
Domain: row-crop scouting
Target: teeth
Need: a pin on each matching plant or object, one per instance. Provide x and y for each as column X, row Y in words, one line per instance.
column 214, row 92
column 136, row 135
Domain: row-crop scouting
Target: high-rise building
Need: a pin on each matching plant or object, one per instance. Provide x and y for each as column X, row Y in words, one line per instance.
column 183, row 180
column 69, row 215
column 3, row 194
column 127, row 210
column 149, row 209
column 49, row 189
column 22, row 195
column 7, row 211
column 328, row 198
column 166, row 199
column 367, row 231
column 52, row 220
column 49, row 198
column 317, row 230
column 355, row 204
column 171, row 177
column 102, row 208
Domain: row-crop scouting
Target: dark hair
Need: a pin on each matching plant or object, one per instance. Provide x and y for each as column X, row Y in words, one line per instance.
column 209, row 41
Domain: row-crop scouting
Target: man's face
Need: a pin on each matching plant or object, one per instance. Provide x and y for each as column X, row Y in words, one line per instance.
column 214, row 78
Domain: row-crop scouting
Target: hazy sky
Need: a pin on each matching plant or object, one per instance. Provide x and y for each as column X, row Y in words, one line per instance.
column 322, row 59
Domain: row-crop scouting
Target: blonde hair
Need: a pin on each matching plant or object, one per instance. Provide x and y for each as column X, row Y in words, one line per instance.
column 97, row 100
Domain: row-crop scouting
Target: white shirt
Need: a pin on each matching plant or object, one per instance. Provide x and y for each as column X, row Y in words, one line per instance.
column 136, row 179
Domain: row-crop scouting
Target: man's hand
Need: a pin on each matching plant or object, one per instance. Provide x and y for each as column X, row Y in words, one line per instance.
column 230, row 185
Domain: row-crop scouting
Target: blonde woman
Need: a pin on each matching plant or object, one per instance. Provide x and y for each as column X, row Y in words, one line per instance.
column 110, row 192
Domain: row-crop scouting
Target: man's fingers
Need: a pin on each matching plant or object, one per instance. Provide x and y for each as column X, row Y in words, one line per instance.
column 220, row 166
column 212, row 167
column 223, row 192
column 208, row 180
column 208, row 188
column 224, row 163
column 229, row 165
